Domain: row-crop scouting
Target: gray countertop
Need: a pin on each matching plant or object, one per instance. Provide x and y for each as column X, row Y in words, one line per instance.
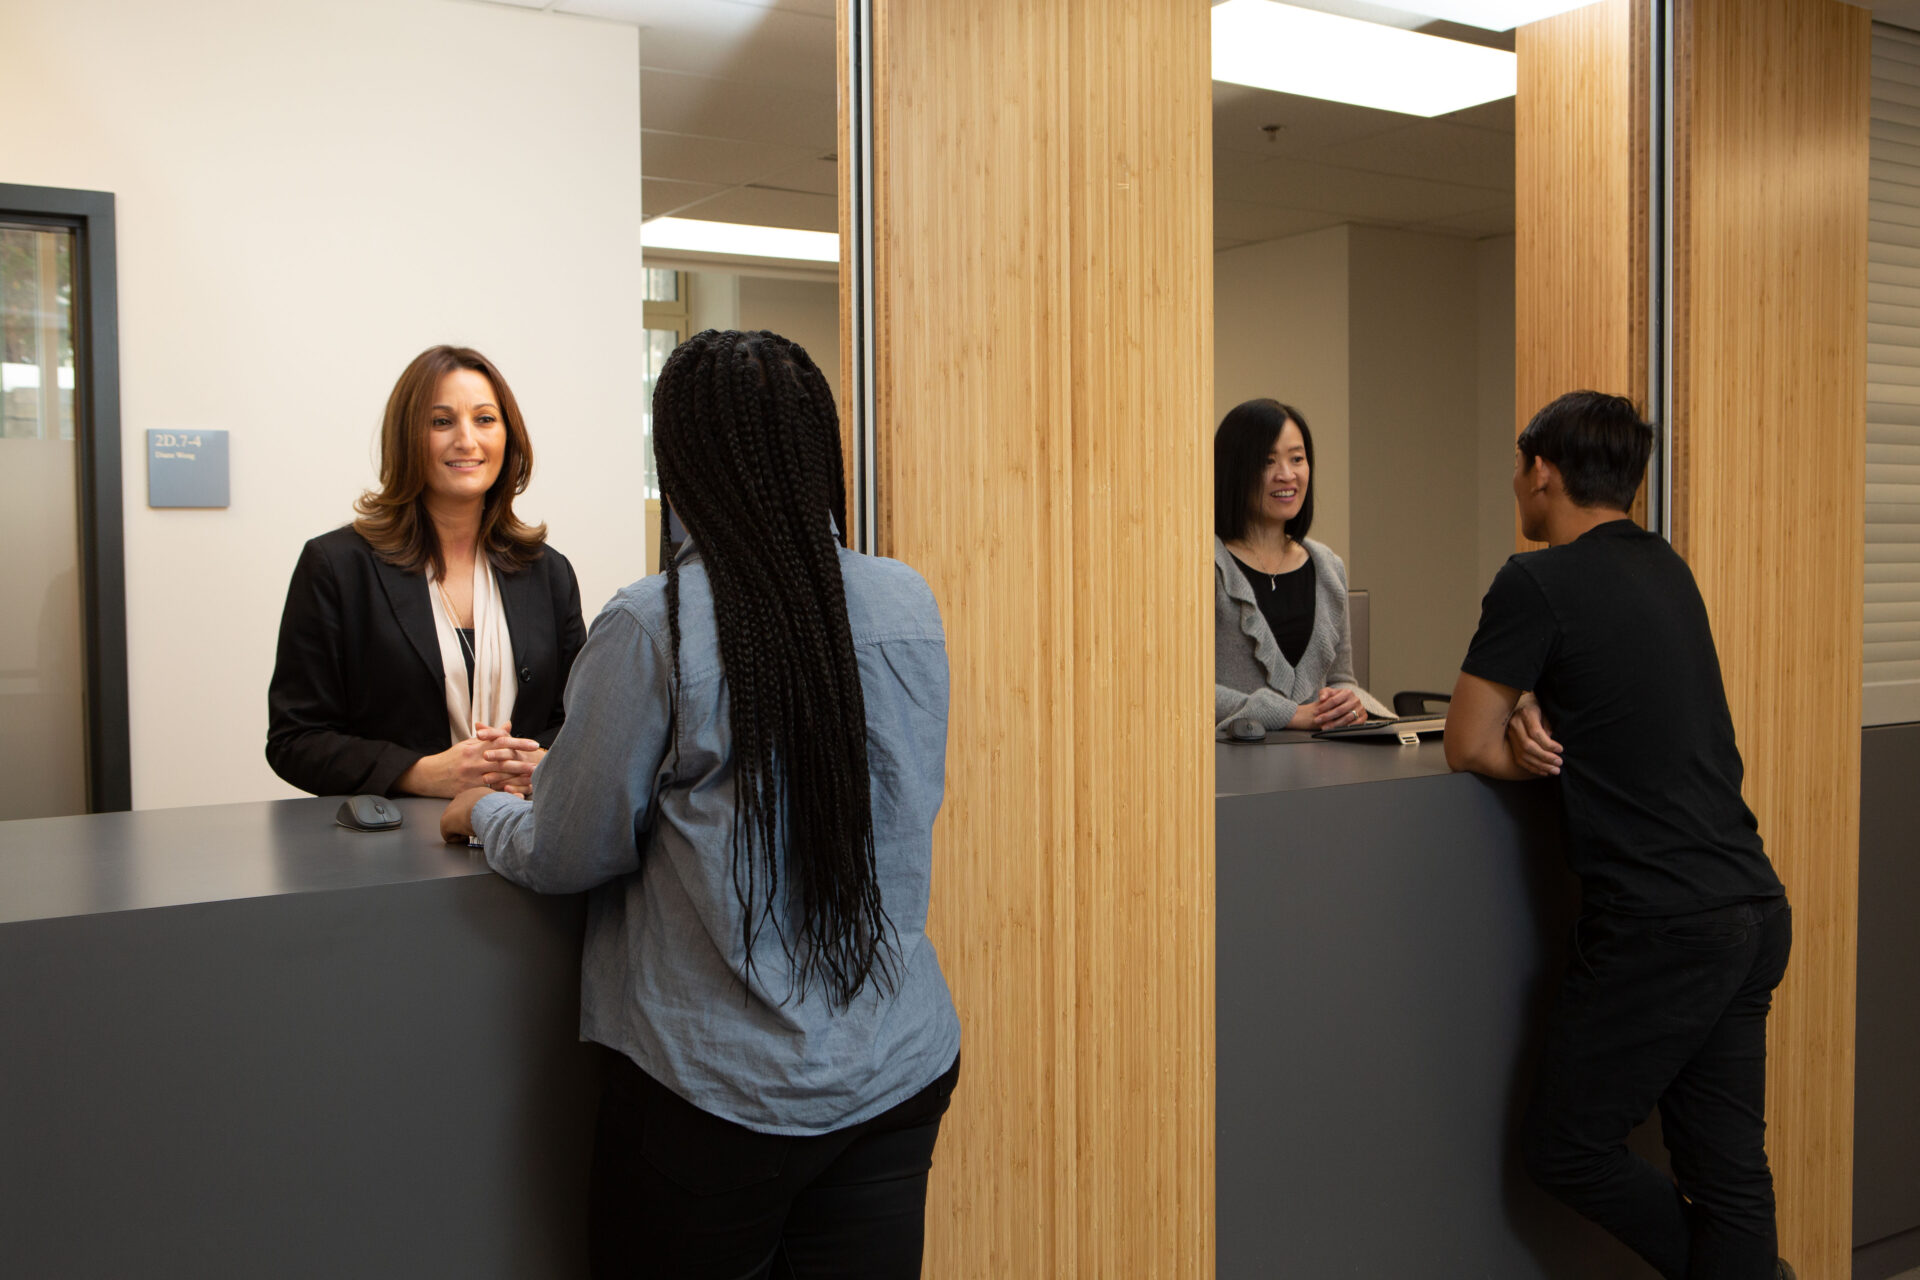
column 94, row 864
column 107, row 862
column 1297, row 761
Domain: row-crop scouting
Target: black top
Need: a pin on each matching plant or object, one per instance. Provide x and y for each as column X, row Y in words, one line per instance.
column 1610, row 634
column 466, row 651
column 1286, row 601
column 358, row 691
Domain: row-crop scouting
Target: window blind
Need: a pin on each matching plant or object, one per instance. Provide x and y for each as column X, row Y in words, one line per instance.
column 1892, row 633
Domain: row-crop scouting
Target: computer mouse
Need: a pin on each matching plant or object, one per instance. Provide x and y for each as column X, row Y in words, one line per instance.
column 368, row 813
column 1247, row 729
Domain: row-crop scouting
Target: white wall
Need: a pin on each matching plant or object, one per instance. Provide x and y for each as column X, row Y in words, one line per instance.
column 308, row 193
column 1399, row 349
column 713, row 300
column 1280, row 331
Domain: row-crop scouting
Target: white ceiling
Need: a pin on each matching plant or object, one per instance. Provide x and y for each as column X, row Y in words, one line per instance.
column 737, row 106
column 739, row 125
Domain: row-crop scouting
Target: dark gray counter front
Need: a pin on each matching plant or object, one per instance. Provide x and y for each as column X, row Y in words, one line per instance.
column 1389, row 936
column 1886, row 1111
column 241, row 1041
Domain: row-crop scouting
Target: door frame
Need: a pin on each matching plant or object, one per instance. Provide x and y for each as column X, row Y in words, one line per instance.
column 89, row 215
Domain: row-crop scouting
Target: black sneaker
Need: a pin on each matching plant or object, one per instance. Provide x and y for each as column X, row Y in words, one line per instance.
column 1783, row 1270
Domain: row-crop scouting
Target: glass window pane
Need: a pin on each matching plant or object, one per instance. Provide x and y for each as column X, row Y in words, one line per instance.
column 660, row 345
column 36, row 333
column 662, row 286
column 42, row 649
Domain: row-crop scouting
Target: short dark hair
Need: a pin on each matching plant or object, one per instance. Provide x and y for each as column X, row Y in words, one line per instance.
column 1240, row 448
column 1599, row 442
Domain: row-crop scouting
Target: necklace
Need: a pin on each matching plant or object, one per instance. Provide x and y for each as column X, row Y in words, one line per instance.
column 446, row 602
column 1273, row 579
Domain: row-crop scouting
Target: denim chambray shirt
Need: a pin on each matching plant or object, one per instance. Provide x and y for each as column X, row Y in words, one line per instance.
column 639, row 810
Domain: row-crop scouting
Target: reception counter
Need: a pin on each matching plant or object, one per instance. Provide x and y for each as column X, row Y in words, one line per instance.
column 240, row 1040
column 243, row 1041
column 1389, row 938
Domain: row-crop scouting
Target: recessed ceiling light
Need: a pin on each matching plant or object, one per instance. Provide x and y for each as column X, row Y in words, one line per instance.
column 1319, row 55
column 1493, row 15
column 691, row 235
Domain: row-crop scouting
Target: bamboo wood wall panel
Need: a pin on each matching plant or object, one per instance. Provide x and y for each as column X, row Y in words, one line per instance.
column 1044, row 376
column 1770, row 510
column 1580, row 201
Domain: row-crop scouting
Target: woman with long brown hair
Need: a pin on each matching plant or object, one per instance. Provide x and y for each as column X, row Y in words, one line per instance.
column 424, row 647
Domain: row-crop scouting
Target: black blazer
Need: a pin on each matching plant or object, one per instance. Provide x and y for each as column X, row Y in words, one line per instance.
column 358, row 690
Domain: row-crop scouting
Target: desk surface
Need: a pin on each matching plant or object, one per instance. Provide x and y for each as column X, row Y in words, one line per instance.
column 99, row 863
column 107, row 862
column 1297, row 761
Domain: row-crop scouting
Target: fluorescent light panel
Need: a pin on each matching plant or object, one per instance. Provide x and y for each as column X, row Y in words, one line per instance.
column 1492, row 15
column 1320, row 55
column 691, row 235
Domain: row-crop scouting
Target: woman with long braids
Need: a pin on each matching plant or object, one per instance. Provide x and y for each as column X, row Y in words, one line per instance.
column 753, row 755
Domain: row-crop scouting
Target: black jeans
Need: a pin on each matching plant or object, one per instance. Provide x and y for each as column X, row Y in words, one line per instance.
column 681, row 1194
column 1669, row 1012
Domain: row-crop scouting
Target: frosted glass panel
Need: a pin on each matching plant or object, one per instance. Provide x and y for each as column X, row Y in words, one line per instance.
column 42, row 667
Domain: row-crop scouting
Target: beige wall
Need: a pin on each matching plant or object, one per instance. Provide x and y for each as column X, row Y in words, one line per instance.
column 1280, row 330
column 1497, row 425
column 807, row 311
column 308, row 193
column 1416, row 495
column 1399, row 349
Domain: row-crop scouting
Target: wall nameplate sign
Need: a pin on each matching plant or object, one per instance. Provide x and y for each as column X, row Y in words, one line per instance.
column 187, row 469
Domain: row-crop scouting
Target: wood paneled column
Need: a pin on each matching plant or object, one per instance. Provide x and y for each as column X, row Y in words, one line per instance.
column 1044, row 254
column 1580, row 200
column 1769, row 356
column 1769, row 509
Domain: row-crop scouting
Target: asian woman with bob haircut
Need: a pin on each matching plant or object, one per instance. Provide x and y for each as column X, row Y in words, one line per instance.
column 424, row 647
column 1282, row 650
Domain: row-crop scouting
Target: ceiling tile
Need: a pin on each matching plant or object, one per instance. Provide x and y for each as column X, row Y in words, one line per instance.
column 1353, row 193
column 1241, row 114
column 1478, row 225
column 1234, row 220
column 821, row 176
column 1496, row 115
column 660, row 197
column 727, row 161
column 767, row 208
column 750, row 110
column 737, row 41
column 1431, row 149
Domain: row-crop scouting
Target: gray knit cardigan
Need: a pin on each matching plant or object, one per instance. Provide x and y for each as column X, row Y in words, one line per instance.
column 1250, row 675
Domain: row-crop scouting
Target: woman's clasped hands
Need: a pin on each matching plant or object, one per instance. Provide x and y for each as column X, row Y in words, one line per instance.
column 1333, row 709
column 509, row 760
column 491, row 758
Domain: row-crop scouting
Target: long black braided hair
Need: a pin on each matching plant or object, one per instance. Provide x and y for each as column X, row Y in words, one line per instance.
column 747, row 444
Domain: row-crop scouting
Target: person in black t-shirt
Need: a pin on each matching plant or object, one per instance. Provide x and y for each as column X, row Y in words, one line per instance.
column 1594, row 665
